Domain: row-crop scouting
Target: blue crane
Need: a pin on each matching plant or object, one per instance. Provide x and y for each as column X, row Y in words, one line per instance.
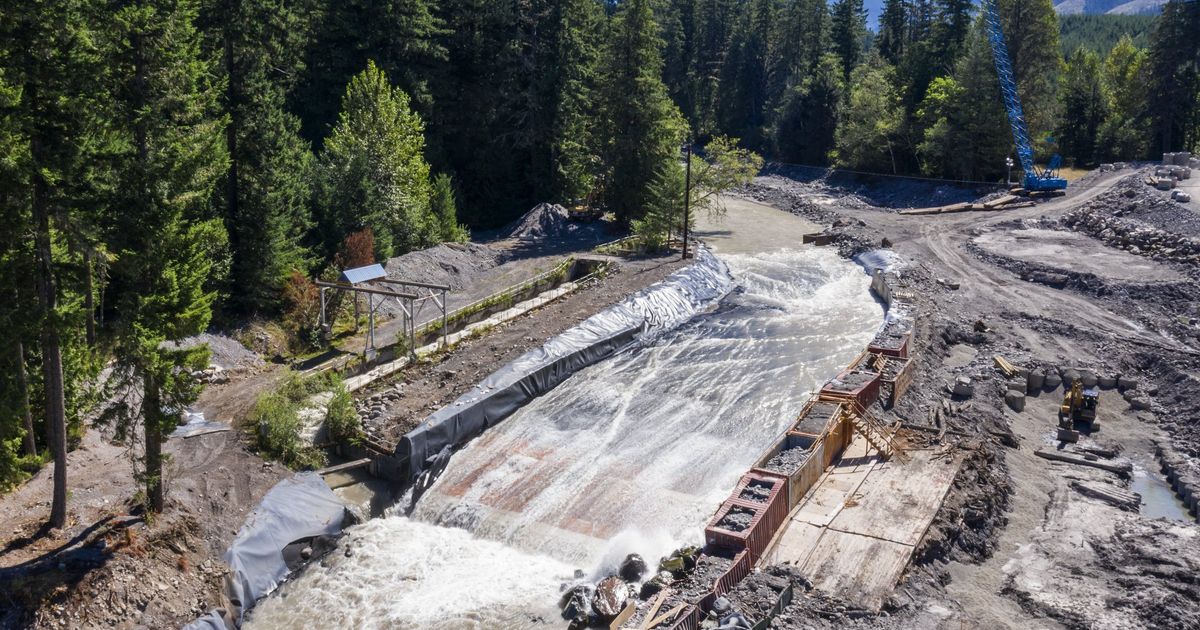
column 1036, row 180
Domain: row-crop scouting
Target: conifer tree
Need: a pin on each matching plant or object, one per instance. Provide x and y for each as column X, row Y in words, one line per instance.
column 641, row 127
column 1031, row 33
column 47, row 50
column 1174, row 73
column 1083, row 106
column 893, row 30
column 848, row 28
column 805, row 123
column 373, row 172
column 267, row 190
column 444, row 209
column 172, row 157
column 742, row 102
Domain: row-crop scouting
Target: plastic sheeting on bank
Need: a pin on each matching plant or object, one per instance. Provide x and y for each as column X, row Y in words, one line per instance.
column 655, row 309
column 298, row 508
column 884, row 260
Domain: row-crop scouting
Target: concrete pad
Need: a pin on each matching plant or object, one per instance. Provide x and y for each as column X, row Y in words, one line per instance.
column 795, row 545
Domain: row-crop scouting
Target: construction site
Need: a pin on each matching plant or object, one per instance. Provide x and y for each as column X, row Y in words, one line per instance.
column 847, row 407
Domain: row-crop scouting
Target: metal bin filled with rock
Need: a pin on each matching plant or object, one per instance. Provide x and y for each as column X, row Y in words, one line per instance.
column 860, row 385
column 895, row 377
column 789, row 459
column 893, row 338
column 749, row 519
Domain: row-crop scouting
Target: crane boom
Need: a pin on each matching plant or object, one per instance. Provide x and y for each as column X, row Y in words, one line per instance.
column 1035, row 180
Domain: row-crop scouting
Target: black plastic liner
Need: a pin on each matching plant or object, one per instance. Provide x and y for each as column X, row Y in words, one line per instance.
column 646, row 313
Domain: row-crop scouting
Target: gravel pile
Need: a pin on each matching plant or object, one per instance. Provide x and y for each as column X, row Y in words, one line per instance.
column 224, row 352
column 544, row 221
column 454, row 264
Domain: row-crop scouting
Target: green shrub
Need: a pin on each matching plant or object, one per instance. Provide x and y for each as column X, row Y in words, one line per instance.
column 341, row 420
column 276, row 419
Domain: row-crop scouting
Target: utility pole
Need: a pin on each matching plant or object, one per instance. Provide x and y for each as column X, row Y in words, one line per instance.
column 687, row 197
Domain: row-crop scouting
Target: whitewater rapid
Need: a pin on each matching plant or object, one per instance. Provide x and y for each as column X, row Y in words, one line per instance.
column 629, row 455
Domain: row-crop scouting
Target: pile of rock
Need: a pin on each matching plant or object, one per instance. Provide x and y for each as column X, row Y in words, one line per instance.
column 1134, row 238
column 374, row 408
column 585, row 605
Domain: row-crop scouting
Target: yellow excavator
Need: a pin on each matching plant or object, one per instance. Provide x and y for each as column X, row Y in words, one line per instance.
column 1079, row 405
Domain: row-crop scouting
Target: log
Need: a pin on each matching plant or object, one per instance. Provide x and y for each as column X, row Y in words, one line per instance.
column 1124, row 469
column 670, row 614
column 1128, row 501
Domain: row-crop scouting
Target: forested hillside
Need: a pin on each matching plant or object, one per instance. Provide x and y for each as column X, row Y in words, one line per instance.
column 167, row 164
column 1100, row 33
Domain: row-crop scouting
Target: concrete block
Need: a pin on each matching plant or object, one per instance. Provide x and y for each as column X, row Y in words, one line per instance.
column 1015, row 400
column 1035, row 380
column 1126, row 383
column 1052, row 380
column 963, row 387
column 1089, row 378
column 1017, row 385
column 1069, row 375
column 1181, row 196
column 1107, row 382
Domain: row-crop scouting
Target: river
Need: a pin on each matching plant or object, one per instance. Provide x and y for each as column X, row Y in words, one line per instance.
column 630, row 455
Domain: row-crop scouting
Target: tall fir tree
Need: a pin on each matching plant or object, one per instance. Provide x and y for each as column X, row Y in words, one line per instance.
column 893, row 30
column 48, row 53
column 267, row 191
column 172, row 158
column 799, row 39
column 848, row 30
column 742, row 103
column 373, row 172
column 1031, row 33
column 807, row 118
column 1174, row 71
column 641, row 129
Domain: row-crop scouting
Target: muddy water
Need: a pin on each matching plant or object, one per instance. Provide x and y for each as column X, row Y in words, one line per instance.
column 632, row 454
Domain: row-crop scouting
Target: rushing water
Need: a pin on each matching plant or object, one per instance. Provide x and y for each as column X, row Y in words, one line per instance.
column 632, row 454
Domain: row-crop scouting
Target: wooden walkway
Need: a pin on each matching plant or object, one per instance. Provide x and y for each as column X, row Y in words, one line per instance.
column 854, row 533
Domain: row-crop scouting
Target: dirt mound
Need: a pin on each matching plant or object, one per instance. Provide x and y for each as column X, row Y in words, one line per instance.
column 225, row 352
column 453, row 264
column 544, row 221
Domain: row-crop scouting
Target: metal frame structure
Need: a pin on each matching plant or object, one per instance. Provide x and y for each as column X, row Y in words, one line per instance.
column 367, row 280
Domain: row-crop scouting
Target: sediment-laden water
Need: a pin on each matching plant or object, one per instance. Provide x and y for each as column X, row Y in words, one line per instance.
column 630, row 455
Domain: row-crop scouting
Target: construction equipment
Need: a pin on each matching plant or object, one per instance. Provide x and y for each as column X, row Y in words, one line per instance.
column 1078, row 405
column 1043, row 180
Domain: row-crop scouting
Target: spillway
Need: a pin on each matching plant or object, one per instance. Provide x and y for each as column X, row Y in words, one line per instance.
column 629, row 455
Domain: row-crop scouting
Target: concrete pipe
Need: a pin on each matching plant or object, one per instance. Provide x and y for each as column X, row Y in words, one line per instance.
column 1015, row 400
column 1035, row 380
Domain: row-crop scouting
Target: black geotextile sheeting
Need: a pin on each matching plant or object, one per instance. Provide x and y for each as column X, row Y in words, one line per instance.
column 652, row 310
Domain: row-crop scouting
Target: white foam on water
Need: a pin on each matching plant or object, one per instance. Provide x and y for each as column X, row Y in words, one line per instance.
column 633, row 454
column 407, row 574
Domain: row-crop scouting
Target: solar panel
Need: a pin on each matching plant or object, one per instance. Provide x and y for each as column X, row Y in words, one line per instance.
column 363, row 274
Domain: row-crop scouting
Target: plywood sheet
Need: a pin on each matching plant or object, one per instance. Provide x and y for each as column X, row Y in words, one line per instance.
column 795, row 545
column 859, row 569
column 897, row 501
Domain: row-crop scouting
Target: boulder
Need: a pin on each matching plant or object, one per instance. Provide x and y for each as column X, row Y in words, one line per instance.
column 1069, row 375
column 963, row 386
column 1089, row 378
column 1053, row 380
column 1107, row 382
column 611, row 595
column 1017, row 385
column 1126, row 383
column 633, row 568
column 576, row 603
column 1015, row 400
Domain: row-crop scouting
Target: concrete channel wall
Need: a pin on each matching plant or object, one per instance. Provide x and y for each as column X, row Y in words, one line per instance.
column 822, row 431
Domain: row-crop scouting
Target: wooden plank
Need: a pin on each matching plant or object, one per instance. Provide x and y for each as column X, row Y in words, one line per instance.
column 620, row 620
column 795, row 545
column 358, row 463
column 1000, row 201
column 897, row 502
column 670, row 614
column 658, row 601
column 1124, row 469
column 861, row 570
